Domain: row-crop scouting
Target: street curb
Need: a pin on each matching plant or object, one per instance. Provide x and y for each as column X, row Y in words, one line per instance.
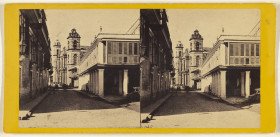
column 208, row 96
column 29, row 112
column 98, row 97
column 219, row 100
column 150, row 115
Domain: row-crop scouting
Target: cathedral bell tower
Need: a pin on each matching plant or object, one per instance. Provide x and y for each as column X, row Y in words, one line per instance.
column 178, row 63
column 55, row 61
column 195, row 59
column 73, row 57
column 196, row 42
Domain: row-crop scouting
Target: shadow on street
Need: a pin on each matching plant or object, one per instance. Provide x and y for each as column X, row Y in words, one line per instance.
column 67, row 100
column 191, row 102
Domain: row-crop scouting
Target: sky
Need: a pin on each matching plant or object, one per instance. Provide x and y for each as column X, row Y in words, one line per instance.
column 88, row 22
column 209, row 23
column 182, row 23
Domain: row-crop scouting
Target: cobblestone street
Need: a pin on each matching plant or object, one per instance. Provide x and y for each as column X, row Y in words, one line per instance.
column 191, row 110
column 70, row 109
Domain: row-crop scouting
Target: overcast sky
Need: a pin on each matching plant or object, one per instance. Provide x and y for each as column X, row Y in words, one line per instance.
column 88, row 22
column 182, row 23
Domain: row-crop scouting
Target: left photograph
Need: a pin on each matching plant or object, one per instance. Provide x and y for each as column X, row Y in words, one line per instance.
column 79, row 68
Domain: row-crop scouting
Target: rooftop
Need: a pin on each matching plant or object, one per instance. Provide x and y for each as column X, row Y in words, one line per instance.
column 238, row 37
column 117, row 36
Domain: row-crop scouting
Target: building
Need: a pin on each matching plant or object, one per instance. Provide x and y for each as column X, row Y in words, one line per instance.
column 35, row 59
column 156, row 55
column 59, row 63
column 111, row 65
column 178, row 64
column 232, row 67
column 188, row 62
column 65, row 60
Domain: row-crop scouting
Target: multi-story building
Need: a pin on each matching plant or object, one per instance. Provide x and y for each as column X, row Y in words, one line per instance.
column 155, row 56
column 188, row 62
column 178, row 63
column 65, row 60
column 232, row 67
column 111, row 65
column 35, row 61
column 59, row 63
column 181, row 65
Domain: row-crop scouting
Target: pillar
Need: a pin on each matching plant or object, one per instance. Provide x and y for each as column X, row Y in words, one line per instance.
column 94, row 82
column 223, row 84
column 120, row 83
column 247, row 84
column 125, row 82
column 242, row 84
column 101, row 82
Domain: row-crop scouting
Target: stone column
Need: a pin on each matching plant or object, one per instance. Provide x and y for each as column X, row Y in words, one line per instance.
column 120, row 82
column 94, row 82
column 247, row 84
column 125, row 82
column 242, row 84
column 223, row 83
column 101, row 82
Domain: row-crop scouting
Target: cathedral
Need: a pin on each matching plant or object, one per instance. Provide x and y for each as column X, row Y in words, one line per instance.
column 66, row 59
column 187, row 62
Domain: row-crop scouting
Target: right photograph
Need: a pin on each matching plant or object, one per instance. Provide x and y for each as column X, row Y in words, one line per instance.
column 200, row 68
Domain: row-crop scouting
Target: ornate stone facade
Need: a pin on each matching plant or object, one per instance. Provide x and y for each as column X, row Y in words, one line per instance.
column 35, row 64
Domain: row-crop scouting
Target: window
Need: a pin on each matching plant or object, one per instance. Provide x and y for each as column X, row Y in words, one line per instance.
column 180, row 53
column 242, row 49
column 235, row 50
column 197, row 61
column 135, row 59
column 109, row 47
column 230, row 49
column 75, row 43
column 135, row 48
column 125, row 48
column 247, row 49
column 197, row 46
column 252, row 60
column 120, row 48
column 242, row 61
column 252, row 50
column 125, row 59
column 120, row 59
column 75, row 59
column 257, row 50
column 115, row 48
column 130, row 48
column 247, row 61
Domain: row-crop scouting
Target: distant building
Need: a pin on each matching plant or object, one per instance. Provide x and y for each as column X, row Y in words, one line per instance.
column 155, row 56
column 35, row 59
column 232, row 67
column 111, row 65
column 179, row 64
column 188, row 62
column 65, row 60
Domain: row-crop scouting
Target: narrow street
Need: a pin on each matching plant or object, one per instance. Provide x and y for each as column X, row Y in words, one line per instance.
column 192, row 110
column 70, row 109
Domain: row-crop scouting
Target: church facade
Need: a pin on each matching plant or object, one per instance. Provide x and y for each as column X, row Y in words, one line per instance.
column 66, row 59
column 187, row 62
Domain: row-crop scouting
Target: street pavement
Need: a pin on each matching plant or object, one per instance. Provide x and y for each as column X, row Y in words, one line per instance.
column 70, row 109
column 192, row 110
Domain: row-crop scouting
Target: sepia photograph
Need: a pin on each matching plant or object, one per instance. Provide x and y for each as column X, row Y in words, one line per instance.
column 200, row 68
column 139, row 68
column 79, row 68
